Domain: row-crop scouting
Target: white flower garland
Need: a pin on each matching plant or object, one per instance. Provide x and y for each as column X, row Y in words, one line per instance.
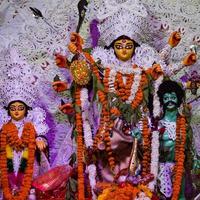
column 154, row 158
column 88, row 137
column 92, row 178
column 134, row 87
column 156, row 101
column 111, row 80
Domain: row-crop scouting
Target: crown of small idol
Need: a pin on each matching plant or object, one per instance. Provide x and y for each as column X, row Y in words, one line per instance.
column 18, row 82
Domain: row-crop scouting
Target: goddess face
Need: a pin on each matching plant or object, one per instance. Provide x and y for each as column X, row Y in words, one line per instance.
column 17, row 110
column 170, row 100
column 124, row 49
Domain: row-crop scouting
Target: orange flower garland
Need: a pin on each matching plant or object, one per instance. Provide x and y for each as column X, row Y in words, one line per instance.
column 115, row 111
column 139, row 95
column 9, row 135
column 179, row 156
column 146, row 147
column 106, row 124
column 80, row 148
column 106, row 80
column 123, row 90
column 124, row 192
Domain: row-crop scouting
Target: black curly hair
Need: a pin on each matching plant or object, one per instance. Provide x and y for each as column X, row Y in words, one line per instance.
column 169, row 87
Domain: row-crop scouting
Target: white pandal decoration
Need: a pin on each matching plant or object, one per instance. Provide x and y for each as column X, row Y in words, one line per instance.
column 88, row 137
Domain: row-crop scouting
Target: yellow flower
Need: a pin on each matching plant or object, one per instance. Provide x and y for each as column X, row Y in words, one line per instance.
column 104, row 195
column 25, row 153
column 9, row 152
column 146, row 190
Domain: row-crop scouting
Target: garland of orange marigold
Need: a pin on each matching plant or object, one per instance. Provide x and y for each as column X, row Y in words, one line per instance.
column 123, row 90
column 179, row 156
column 146, row 147
column 80, row 148
column 9, row 136
column 106, row 124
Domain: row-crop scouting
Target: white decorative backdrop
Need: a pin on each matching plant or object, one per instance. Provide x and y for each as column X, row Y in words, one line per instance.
column 37, row 41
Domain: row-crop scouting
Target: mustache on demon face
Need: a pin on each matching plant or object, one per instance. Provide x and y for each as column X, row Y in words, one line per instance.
column 170, row 102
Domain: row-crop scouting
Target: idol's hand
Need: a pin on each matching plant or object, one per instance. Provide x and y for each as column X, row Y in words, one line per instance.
column 136, row 133
column 190, row 59
column 60, row 61
column 76, row 43
column 41, row 145
column 174, row 39
column 59, row 86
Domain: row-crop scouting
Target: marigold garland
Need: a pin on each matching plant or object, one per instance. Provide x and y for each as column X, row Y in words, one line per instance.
column 179, row 156
column 106, row 123
column 123, row 90
column 121, row 191
column 125, row 192
column 80, row 148
column 146, row 147
column 106, row 126
column 9, row 136
column 106, row 80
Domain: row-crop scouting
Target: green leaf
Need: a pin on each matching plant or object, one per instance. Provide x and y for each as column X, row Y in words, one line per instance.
column 73, row 184
column 61, row 117
column 72, row 159
column 77, row 109
column 100, row 86
column 73, row 89
column 94, row 79
column 74, row 134
column 88, row 50
column 146, row 95
column 68, row 196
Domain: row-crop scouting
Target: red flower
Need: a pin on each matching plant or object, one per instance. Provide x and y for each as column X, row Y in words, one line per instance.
column 162, row 130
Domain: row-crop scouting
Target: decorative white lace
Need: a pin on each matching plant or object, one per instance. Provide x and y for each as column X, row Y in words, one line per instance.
column 170, row 128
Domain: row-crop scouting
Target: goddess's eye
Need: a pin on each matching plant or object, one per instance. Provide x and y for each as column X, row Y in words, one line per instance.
column 117, row 46
column 129, row 46
column 20, row 108
column 12, row 108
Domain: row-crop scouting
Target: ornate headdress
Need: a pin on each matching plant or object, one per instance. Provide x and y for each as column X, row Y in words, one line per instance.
column 17, row 81
column 120, row 17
